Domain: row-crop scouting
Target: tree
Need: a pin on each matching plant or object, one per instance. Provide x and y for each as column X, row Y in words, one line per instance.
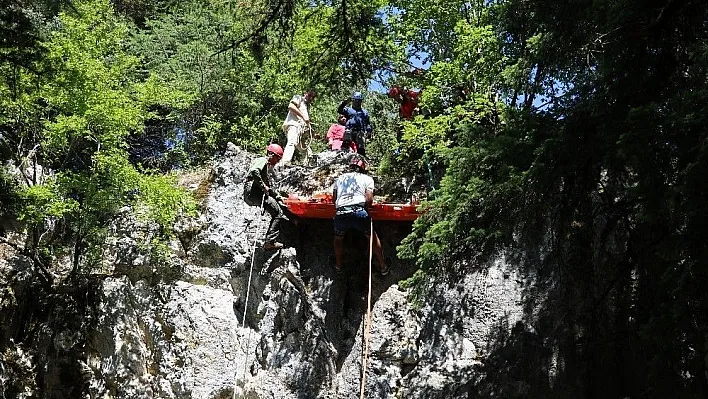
column 74, row 119
column 593, row 170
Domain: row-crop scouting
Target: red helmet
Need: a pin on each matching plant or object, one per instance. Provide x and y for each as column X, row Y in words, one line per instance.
column 393, row 92
column 275, row 149
column 358, row 162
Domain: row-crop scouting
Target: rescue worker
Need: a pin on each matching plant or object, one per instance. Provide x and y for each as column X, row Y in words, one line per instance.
column 408, row 100
column 335, row 135
column 353, row 193
column 295, row 122
column 408, row 108
column 257, row 190
column 358, row 127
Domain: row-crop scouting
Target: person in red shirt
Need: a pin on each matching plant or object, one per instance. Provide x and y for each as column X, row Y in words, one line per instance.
column 335, row 135
column 408, row 100
column 409, row 105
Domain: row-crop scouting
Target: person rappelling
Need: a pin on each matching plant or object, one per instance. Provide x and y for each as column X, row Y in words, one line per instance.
column 358, row 126
column 257, row 191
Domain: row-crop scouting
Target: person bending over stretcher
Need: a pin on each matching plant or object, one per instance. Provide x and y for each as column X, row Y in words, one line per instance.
column 353, row 193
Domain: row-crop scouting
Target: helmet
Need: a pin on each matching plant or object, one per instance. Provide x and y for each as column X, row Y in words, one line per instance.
column 393, row 92
column 275, row 149
column 358, row 162
column 357, row 96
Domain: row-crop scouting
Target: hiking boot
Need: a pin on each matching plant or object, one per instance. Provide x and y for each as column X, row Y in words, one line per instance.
column 385, row 271
column 339, row 271
column 388, row 266
column 271, row 246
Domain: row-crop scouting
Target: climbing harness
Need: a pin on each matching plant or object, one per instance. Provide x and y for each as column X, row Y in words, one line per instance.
column 367, row 333
column 248, row 291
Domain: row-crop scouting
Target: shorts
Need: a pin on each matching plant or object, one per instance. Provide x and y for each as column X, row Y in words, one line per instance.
column 357, row 220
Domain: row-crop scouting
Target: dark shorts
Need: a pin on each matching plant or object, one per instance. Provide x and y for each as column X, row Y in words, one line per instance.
column 356, row 136
column 357, row 220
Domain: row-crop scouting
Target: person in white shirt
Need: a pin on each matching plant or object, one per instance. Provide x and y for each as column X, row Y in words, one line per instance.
column 295, row 121
column 353, row 192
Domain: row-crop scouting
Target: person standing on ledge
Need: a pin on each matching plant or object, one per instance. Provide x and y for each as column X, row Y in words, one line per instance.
column 353, row 193
column 358, row 127
column 335, row 135
column 295, row 122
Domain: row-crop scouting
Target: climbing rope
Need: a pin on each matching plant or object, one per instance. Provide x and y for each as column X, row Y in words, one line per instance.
column 248, row 291
column 306, row 146
column 365, row 351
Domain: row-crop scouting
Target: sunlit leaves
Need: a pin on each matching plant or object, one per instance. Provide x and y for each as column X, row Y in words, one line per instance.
column 44, row 201
column 70, row 119
column 91, row 87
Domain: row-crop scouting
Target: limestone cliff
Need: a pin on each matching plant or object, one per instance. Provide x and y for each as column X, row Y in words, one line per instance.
column 139, row 332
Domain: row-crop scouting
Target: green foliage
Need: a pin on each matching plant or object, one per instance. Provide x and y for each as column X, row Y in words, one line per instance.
column 217, row 96
column 75, row 118
column 237, row 75
column 417, row 284
column 92, row 88
column 483, row 169
column 23, row 25
column 573, row 133
column 163, row 200
column 384, row 118
column 9, row 195
column 44, row 201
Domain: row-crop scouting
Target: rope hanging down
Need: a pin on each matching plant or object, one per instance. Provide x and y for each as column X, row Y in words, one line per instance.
column 305, row 141
column 248, row 291
column 365, row 351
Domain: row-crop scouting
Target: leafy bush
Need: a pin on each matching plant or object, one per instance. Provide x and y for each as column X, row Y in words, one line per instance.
column 9, row 196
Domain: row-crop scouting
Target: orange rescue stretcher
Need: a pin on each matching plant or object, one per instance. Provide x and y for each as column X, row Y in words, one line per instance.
column 321, row 206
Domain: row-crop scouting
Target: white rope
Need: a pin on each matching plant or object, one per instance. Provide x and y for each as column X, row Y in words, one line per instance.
column 307, row 146
column 365, row 352
column 248, row 291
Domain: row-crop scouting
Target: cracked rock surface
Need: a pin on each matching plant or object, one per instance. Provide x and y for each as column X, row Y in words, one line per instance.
column 240, row 321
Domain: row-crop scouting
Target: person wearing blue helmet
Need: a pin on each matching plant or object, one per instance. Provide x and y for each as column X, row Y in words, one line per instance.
column 358, row 127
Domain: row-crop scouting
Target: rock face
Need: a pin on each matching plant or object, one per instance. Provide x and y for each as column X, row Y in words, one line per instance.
column 242, row 322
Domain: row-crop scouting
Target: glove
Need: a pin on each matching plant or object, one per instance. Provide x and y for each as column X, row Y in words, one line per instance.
column 278, row 198
column 281, row 203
